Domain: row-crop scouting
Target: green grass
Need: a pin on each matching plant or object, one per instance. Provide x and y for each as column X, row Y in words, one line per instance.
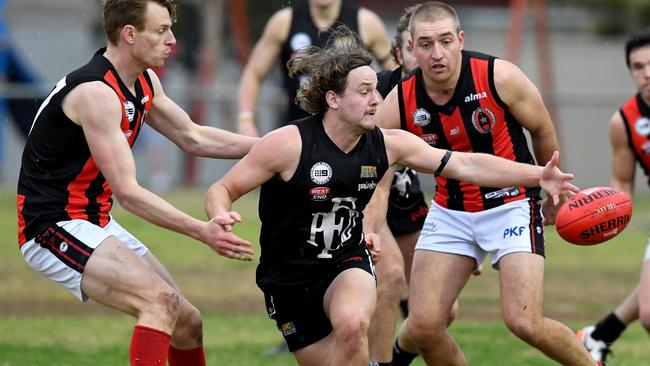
column 42, row 324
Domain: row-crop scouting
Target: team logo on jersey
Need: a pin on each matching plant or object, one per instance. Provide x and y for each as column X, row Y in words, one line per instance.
column 300, row 41
column 129, row 109
column 321, row 172
column 368, row 171
column 483, row 120
column 431, row 139
column 421, row 117
column 642, row 126
column 319, row 193
column 477, row 96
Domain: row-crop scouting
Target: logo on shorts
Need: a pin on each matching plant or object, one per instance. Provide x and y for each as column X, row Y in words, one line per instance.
column 483, row 120
column 129, row 109
column 321, row 172
column 288, row 328
column 515, row 231
column 63, row 247
column 421, row 117
column 642, row 126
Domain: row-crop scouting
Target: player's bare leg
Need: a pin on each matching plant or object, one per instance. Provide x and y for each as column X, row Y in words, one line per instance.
column 436, row 281
column 349, row 303
column 522, row 279
column 391, row 288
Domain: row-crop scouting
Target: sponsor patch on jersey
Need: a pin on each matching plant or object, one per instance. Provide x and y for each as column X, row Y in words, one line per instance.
column 144, row 100
column 370, row 185
column 421, row 117
column 506, row 192
column 477, row 96
column 642, row 126
column 288, row 328
column 454, row 131
column 321, row 172
column 319, row 193
column 300, row 41
column 431, row 139
column 483, row 120
column 368, row 171
column 128, row 134
column 129, row 109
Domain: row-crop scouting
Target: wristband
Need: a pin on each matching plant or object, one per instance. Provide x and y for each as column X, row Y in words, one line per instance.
column 443, row 163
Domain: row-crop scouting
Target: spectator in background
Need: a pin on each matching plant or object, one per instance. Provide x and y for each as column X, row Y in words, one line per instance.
column 291, row 31
column 20, row 99
column 629, row 134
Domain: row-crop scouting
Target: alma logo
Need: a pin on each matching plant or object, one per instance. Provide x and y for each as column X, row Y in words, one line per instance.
column 477, row 96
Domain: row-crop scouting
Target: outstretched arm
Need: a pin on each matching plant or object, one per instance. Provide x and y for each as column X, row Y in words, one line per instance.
column 97, row 109
column 276, row 154
column 476, row 168
column 623, row 160
column 173, row 122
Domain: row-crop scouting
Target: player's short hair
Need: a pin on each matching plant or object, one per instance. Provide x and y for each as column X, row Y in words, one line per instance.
column 636, row 40
column 119, row 13
column 327, row 68
column 433, row 11
column 402, row 26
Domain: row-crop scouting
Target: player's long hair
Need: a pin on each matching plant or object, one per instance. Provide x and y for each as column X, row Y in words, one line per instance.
column 327, row 68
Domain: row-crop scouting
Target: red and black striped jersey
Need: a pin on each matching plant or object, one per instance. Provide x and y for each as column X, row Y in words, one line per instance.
column 59, row 179
column 474, row 120
column 636, row 117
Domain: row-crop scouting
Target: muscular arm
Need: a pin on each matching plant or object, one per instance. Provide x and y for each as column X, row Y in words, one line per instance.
column 526, row 105
column 277, row 153
column 373, row 33
column 97, row 109
column 265, row 54
column 623, row 160
column 481, row 169
column 173, row 122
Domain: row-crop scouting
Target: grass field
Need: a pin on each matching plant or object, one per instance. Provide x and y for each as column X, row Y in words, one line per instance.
column 42, row 324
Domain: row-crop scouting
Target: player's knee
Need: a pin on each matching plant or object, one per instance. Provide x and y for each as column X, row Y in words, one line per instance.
column 165, row 304
column 424, row 331
column 391, row 282
column 352, row 333
column 524, row 327
column 190, row 323
column 453, row 313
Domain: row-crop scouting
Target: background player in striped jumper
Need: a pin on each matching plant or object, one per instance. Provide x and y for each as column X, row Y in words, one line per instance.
column 629, row 134
column 316, row 176
column 78, row 154
column 467, row 101
column 294, row 29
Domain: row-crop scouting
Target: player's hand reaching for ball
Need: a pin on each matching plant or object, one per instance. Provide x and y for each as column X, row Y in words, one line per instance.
column 223, row 241
column 556, row 183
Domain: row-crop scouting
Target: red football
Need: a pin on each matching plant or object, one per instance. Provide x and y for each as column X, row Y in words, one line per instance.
column 593, row 216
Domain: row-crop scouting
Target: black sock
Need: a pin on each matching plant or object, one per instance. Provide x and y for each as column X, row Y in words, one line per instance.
column 404, row 305
column 608, row 329
column 401, row 357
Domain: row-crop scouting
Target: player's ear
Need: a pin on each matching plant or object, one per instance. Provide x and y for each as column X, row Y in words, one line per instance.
column 128, row 34
column 332, row 99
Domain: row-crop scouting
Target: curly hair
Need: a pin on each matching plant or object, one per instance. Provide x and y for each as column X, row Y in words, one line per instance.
column 119, row 13
column 327, row 68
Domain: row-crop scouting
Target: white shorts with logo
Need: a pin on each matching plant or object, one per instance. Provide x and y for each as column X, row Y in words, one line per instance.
column 61, row 251
column 512, row 227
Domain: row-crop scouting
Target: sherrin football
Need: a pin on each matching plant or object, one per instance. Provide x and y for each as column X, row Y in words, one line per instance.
column 593, row 216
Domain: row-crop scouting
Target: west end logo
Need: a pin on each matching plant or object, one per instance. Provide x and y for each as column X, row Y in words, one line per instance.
column 368, row 171
column 421, row 117
column 483, row 120
column 477, row 96
column 321, row 173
